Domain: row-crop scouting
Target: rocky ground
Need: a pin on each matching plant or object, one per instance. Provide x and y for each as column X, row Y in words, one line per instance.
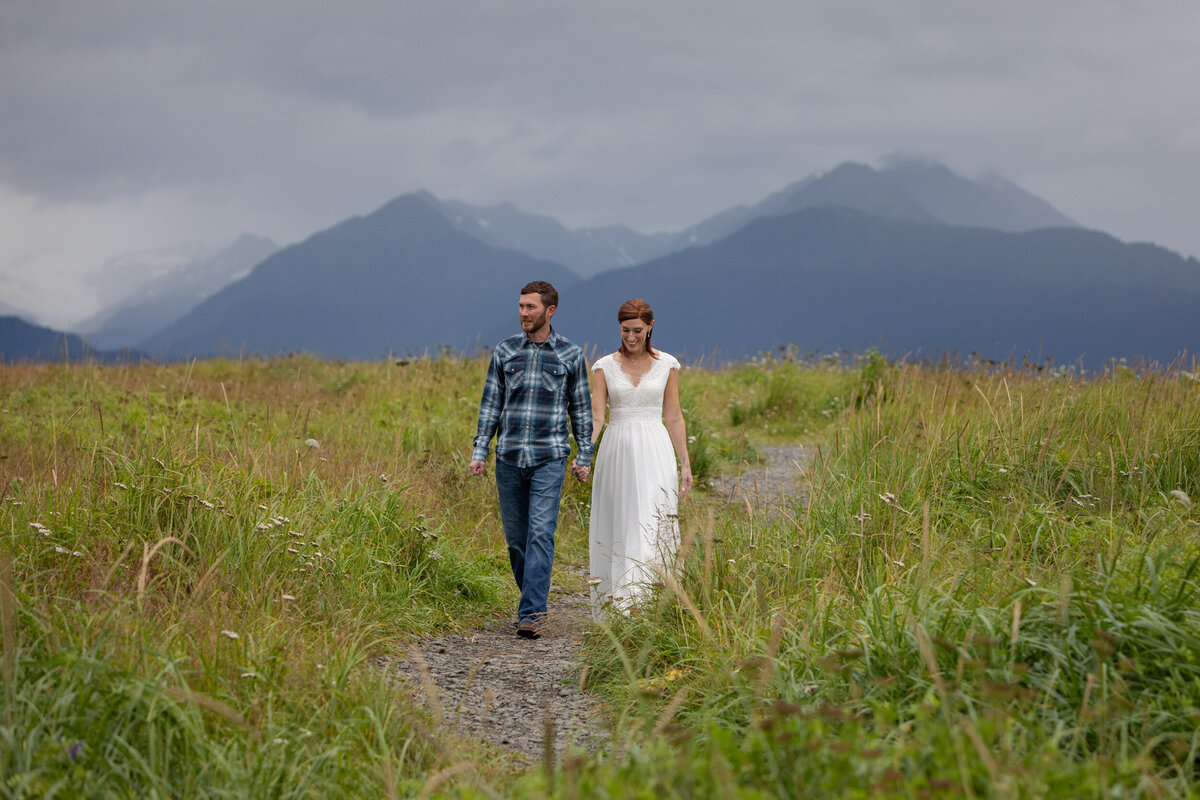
column 492, row 685
column 771, row 479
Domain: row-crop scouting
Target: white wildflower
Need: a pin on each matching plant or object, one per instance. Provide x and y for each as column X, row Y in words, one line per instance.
column 249, row 674
column 898, row 563
column 890, row 499
column 287, row 597
column 434, row 555
column 230, row 634
column 312, row 444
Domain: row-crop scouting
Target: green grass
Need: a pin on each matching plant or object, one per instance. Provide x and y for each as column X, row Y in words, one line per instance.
column 991, row 593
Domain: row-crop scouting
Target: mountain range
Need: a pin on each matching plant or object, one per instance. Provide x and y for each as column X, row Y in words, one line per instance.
column 167, row 291
column 910, row 258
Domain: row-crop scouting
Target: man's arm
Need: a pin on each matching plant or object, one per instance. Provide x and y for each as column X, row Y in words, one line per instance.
column 490, row 406
column 579, row 409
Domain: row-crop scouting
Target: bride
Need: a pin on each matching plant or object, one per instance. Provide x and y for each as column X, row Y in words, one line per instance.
column 634, row 530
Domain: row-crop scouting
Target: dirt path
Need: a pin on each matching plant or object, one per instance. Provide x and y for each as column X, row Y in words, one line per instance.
column 773, row 478
column 490, row 684
column 508, row 691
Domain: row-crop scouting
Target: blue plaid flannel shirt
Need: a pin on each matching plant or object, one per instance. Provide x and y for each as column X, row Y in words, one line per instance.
column 530, row 391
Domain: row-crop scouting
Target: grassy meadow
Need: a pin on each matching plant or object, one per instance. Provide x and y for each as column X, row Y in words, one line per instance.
column 993, row 591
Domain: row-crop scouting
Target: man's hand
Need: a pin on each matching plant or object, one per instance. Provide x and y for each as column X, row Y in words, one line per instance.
column 580, row 473
column 478, row 468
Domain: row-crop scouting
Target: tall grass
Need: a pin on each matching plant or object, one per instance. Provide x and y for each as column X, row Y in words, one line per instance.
column 992, row 592
column 201, row 561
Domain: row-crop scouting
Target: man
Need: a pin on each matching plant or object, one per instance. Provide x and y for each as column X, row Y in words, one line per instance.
column 536, row 381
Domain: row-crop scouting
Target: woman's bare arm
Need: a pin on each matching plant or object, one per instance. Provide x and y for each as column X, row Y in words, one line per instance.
column 599, row 402
column 673, row 419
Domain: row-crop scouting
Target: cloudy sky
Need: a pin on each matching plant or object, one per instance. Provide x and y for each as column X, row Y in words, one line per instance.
column 131, row 125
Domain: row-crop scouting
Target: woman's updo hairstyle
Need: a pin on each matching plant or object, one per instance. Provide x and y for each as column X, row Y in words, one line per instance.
column 636, row 308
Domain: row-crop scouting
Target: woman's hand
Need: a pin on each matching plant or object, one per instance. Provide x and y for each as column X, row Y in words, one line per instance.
column 685, row 482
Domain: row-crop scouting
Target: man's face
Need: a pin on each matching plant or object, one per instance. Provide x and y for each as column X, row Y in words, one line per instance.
column 534, row 315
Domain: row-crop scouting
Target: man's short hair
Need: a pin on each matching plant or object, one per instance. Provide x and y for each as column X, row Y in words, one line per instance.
column 549, row 293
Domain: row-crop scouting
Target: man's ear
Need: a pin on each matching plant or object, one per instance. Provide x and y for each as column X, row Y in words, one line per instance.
column 550, row 311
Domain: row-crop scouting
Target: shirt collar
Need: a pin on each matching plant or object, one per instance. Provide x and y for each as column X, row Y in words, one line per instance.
column 551, row 340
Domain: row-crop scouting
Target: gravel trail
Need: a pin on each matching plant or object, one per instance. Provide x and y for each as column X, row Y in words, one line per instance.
column 492, row 685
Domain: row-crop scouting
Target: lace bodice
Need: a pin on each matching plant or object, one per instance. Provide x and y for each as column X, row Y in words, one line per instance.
column 636, row 403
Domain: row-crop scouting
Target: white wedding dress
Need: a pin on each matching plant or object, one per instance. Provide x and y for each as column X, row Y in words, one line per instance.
column 634, row 530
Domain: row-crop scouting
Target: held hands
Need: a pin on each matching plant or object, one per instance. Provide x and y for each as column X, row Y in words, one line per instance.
column 580, row 473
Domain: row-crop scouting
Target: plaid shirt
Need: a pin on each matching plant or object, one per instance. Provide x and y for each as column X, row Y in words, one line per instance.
column 531, row 389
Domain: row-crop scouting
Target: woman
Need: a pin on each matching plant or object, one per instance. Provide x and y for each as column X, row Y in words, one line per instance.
column 634, row 529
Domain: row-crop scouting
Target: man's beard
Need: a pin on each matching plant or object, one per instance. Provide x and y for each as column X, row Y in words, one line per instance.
column 535, row 324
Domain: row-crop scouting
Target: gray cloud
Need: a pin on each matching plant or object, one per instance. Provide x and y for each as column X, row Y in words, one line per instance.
column 204, row 120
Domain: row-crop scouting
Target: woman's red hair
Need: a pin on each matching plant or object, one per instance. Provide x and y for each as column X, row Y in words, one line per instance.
column 637, row 308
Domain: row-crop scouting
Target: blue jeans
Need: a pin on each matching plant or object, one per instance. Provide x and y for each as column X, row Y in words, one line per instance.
column 529, row 498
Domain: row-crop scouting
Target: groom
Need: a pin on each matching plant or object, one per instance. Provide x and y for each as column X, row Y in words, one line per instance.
column 536, row 381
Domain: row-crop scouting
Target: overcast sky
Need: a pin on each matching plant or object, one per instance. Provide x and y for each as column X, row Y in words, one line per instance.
column 131, row 125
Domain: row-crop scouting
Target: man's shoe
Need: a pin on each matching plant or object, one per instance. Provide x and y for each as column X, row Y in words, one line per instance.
column 528, row 629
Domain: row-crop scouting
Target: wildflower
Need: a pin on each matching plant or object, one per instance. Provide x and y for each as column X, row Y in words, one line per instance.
column 434, row 555
column 287, row 597
column 1181, row 497
column 898, row 563
column 120, row 485
column 230, row 634
column 293, row 550
column 312, row 444
column 294, row 533
column 731, row 561
column 249, row 674
column 595, row 581
column 890, row 499
column 74, row 751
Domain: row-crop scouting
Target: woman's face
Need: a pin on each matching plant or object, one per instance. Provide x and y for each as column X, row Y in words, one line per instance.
column 633, row 335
